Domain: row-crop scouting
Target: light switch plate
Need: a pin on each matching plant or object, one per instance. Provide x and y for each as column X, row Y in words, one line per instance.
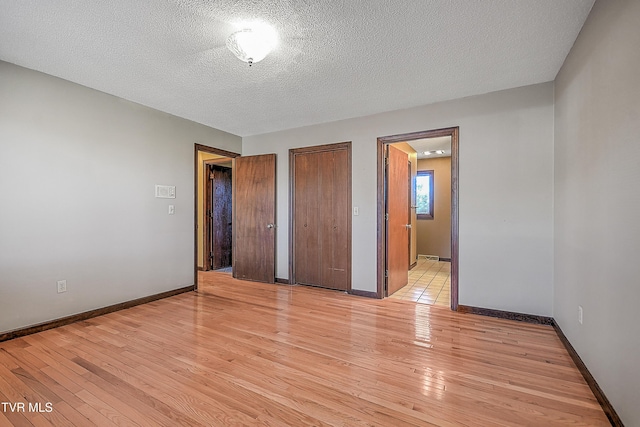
column 580, row 314
column 62, row 286
column 166, row 191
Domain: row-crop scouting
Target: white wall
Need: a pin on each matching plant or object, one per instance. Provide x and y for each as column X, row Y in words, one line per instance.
column 506, row 191
column 77, row 172
column 597, row 200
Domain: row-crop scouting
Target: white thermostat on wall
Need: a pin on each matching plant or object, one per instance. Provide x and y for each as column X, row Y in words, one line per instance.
column 166, row 191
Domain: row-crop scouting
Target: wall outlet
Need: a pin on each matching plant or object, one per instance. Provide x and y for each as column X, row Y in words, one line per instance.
column 580, row 314
column 62, row 286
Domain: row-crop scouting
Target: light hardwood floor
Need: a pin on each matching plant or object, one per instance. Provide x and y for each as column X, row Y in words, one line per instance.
column 240, row 353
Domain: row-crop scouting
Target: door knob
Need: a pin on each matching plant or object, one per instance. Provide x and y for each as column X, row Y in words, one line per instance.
column 271, row 225
column 408, row 226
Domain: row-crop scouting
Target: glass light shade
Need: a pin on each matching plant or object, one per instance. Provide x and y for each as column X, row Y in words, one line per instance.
column 250, row 46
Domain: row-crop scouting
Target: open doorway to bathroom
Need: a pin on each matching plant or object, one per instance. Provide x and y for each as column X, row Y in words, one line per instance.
column 430, row 279
column 426, row 220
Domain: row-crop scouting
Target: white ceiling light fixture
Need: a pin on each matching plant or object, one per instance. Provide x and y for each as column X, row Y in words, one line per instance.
column 253, row 43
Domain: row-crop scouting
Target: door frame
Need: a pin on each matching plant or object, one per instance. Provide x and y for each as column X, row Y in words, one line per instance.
column 196, row 188
column 382, row 232
column 292, row 185
column 206, row 241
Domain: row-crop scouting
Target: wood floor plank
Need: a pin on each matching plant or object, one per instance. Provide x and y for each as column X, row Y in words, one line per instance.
column 245, row 353
column 198, row 387
column 181, row 394
column 139, row 401
column 59, row 393
column 17, row 392
column 10, row 417
column 40, row 421
column 74, row 417
column 94, row 416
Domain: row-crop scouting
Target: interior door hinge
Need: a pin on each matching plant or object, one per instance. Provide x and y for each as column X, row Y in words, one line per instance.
column 386, row 273
column 386, row 216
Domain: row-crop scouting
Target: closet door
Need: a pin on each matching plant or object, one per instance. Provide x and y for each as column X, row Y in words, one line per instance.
column 341, row 215
column 321, row 216
column 326, row 189
column 306, row 231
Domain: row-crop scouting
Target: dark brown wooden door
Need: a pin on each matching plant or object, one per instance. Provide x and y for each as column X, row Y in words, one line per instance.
column 339, row 276
column 219, row 215
column 306, row 229
column 321, row 216
column 254, row 234
column 398, row 215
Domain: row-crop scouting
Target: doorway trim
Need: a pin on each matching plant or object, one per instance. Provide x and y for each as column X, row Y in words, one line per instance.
column 196, row 187
column 382, row 232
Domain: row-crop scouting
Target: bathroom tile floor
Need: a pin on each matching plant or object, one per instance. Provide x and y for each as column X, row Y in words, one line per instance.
column 429, row 283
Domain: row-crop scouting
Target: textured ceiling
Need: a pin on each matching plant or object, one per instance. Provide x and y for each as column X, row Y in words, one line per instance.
column 335, row 59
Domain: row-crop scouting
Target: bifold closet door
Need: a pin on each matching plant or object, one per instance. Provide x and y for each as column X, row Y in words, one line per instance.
column 307, row 213
column 334, row 213
column 321, row 219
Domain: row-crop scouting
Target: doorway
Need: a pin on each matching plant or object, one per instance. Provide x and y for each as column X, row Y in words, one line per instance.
column 392, row 192
column 218, row 213
column 205, row 157
column 253, row 213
